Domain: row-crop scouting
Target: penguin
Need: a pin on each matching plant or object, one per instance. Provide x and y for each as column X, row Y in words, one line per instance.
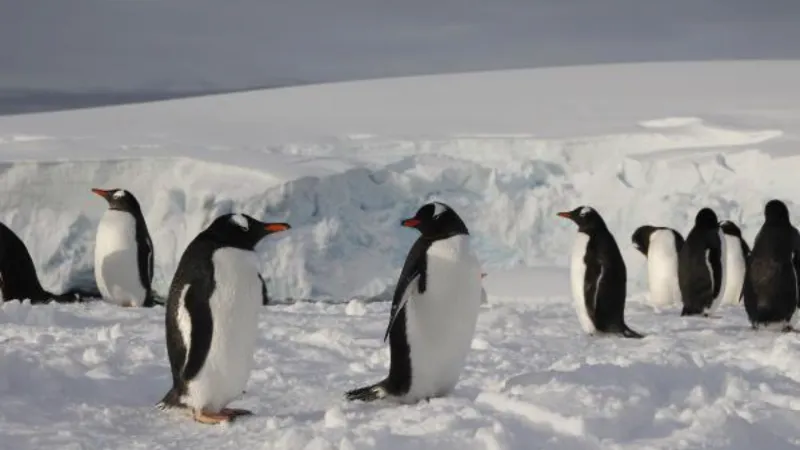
column 700, row 266
column 771, row 290
column 661, row 246
column 736, row 253
column 434, row 311
column 264, row 295
column 18, row 277
column 123, row 252
column 598, row 276
column 212, row 318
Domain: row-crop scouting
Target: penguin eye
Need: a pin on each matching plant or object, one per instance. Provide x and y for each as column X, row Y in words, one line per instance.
column 585, row 210
column 240, row 222
column 118, row 195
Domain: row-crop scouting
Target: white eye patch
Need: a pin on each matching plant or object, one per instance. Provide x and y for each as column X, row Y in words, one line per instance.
column 585, row 210
column 118, row 195
column 241, row 221
column 438, row 209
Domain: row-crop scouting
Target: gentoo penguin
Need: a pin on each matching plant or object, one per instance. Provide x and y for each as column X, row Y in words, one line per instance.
column 660, row 245
column 123, row 251
column 212, row 317
column 736, row 253
column 700, row 271
column 434, row 310
column 18, row 278
column 598, row 275
column 771, row 293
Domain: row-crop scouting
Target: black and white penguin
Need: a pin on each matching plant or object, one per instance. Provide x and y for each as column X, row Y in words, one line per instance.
column 212, row 317
column 661, row 246
column 700, row 266
column 434, row 310
column 598, row 275
column 736, row 253
column 18, row 278
column 771, row 290
column 123, row 251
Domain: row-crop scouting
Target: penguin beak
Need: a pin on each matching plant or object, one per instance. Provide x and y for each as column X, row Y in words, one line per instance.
column 101, row 192
column 410, row 223
column 565, row 214
column 277, row 227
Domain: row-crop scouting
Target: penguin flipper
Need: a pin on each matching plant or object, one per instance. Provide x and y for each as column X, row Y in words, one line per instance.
column 368, row 393
column 398, row 305
column 172, row 400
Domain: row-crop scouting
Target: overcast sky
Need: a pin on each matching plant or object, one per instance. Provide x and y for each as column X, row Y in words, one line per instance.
column 190, row 45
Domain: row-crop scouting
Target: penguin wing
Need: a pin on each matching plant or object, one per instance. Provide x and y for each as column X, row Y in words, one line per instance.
column 413, row 272
column 189, row 326
column 679, row 241
column 714, row 259
column 591, row 285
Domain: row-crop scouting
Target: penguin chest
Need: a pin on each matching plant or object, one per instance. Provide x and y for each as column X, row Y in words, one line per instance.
column 440, row 322
column 662, row 269
column 578, row 278
column 116, row 263
column 234, row 305
column 734, row 269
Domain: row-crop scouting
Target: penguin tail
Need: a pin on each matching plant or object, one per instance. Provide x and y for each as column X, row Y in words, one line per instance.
column 629, row 333
column 77, row 296
column 172, row 400
column 368, row 393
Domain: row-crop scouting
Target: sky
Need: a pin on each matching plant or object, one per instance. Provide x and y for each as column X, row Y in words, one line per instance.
column 55, row 52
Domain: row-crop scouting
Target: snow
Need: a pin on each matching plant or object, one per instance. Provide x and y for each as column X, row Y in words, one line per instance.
column 343, row 163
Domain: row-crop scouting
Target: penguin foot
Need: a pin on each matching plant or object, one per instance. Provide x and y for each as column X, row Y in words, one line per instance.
column 367, row 394
column 210, row 418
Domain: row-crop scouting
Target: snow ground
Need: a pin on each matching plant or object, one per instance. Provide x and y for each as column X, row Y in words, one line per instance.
column 643, row 143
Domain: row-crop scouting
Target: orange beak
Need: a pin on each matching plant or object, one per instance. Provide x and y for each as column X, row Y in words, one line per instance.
column 564, row 214
column 276, row 227
column 410, row 223
column 101, row 192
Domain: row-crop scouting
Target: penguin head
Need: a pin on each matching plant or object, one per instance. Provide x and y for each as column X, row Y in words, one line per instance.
column 436, row 220
column 641, row 238
column 730, row 228
column 242, row 231
column 119, row 199
column 776, row 212
column 586, row 217
column 706, row 218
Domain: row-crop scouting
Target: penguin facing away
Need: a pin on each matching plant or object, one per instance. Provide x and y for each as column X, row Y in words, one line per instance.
column 18, row 278
column 212, row 318
column 736, row 254
column 598, row 275
column 434, row 310
column 700, row 266
column 123, row 252
column 771, row 291
column 661, row 246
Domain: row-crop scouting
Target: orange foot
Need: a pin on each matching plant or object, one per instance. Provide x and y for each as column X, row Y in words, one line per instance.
column 210, row 418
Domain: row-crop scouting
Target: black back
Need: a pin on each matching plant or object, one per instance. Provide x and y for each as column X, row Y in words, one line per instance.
column 698, row 286
column 605, row 279
column 435, row 221
column 641, row 238
column 125, row 201
column 771, row 280
column 18, row 278
column 195, row 275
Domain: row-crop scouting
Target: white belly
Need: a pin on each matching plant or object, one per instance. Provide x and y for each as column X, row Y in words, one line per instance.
column 235, row 305
column 734, row 270
column 440, row 323
column 662, row 270
column 724, row 279
column 116, row 265
column 577, row 273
